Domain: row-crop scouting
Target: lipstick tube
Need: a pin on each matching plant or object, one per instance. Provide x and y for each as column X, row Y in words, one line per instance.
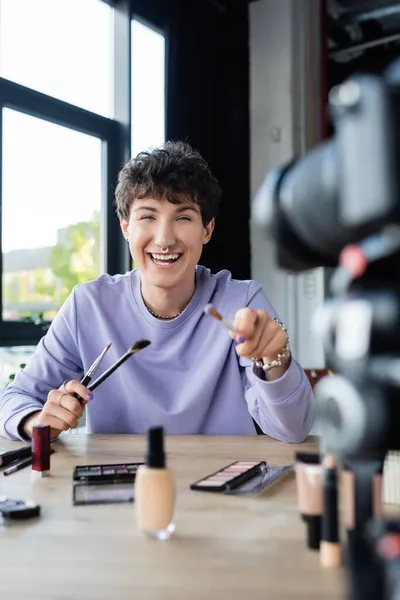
column 41, row 450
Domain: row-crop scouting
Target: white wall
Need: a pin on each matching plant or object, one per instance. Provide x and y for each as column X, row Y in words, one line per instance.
column 285, row 104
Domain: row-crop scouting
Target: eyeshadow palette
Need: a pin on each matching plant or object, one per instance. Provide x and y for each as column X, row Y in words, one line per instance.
column 231, row 476
column 102, row 493
column 267, row 478
column 125, row 472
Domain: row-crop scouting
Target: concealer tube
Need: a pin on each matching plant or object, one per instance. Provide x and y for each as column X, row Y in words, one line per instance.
column 308, row 470
column 348, row 496
column 154, row 490
column 330, row 551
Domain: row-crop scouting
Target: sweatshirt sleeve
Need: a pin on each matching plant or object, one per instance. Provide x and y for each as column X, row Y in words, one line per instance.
column 284, row 408
column 56, row 358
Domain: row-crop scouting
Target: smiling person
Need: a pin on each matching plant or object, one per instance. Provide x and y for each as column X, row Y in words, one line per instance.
column 194, row 378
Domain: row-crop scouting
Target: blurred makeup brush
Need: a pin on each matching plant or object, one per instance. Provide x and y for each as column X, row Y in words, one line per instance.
column 209, row 309
column 330, row 551
column 212, row 311
column 132, row 350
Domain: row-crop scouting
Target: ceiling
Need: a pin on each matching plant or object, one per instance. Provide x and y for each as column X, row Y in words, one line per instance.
column 362, row 35
column 358, row 29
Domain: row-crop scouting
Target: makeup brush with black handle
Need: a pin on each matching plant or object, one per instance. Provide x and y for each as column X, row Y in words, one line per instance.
column 132, row 350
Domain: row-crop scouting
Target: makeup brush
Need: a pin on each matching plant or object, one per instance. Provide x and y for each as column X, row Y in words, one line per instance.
column 210, row 310
column 92, row 370
column 132, row 350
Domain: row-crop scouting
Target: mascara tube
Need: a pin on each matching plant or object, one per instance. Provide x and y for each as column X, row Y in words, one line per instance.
column 330, row 551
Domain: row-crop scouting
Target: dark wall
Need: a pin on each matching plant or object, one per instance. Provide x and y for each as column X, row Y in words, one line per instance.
column 207, row 105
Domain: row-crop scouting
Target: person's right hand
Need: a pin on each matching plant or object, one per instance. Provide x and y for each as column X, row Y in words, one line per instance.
column 61, row 410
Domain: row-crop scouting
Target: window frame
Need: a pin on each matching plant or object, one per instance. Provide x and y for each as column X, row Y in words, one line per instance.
column 115, row 136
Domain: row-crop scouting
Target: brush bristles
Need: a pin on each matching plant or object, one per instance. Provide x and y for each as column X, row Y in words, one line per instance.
column 139, row 346
column 92, row 370
column 210, row 310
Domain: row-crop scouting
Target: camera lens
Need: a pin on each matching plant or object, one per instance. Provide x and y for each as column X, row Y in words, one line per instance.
column 332, row 413
column 352, row 418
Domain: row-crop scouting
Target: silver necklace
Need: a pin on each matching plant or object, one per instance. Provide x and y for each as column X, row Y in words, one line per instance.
column 162, row 316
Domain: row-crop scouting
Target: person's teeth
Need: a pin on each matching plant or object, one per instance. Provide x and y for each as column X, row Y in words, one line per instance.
column 165, row 256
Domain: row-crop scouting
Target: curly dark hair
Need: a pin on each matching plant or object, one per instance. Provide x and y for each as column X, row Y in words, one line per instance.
column 174, row 171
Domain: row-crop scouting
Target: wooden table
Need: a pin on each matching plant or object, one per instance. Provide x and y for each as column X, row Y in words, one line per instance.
column 234, row 547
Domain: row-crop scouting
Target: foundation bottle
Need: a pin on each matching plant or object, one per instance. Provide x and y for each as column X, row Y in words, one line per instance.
column 308, row 469
column 154, row 490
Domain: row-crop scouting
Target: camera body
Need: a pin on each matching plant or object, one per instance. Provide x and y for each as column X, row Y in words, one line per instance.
column 339, row 206
column 344, row 189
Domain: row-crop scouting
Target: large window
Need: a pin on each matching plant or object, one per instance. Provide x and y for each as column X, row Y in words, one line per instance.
column 51, row 214
column 63, row 48
column 62, row 145
column 148, row 87
column 12, row 360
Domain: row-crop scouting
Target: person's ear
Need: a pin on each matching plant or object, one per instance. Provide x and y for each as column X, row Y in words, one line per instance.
column 124, row 227
column 208, row 230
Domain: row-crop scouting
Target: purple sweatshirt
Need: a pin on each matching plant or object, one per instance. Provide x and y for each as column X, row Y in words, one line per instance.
column 190, row 379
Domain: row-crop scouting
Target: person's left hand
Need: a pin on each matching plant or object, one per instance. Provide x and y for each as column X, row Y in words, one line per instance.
column 263, row 338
